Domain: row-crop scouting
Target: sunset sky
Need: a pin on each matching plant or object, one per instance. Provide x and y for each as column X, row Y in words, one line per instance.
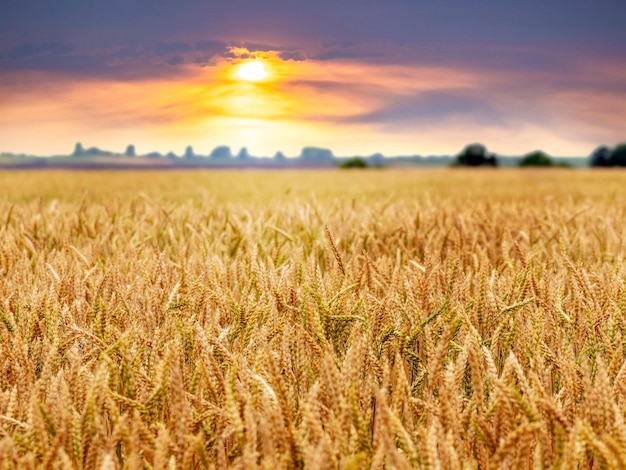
column 401, row 77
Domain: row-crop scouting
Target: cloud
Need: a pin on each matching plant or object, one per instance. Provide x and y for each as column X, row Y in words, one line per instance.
column 170, row 48
column 29, row 50
column 130, row 60
column 338, row 25
column 210, row 46
column 296, row 56
column 348, row 53
column 432, row 107
column 127, row 61
column 175, row 60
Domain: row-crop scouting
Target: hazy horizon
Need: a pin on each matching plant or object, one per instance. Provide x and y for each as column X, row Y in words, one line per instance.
column 234, row 153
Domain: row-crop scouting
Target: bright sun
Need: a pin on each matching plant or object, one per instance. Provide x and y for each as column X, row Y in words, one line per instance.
column 252, row 71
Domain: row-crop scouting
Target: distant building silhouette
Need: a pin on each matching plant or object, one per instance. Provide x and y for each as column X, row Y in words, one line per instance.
column 189, row 152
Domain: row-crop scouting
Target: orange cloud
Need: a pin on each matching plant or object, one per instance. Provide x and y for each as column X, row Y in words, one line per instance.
column 350, row 106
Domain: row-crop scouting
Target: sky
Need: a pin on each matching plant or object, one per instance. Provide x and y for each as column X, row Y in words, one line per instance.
column 401, row 77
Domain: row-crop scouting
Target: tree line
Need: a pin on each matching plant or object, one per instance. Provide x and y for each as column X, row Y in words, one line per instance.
column 477, row 155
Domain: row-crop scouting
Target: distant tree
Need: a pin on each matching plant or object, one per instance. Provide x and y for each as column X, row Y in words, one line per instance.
column 491, row 160
column 96, row 152
column 601, row 157
column 243, row 154
column 377, row 159
column 79, row 151
column 130, row 151
column 221, row 152
column 618, row 155
column 536, row 158
column 476, row 155
column 189, row 152
column 354, row 163
column 316, row 154
column 279, row 156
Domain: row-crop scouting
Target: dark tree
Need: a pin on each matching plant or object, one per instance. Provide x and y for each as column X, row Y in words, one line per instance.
column 536, row 158
column 601, row 157
column 618, row 155
column 476, row 155
column 354, row 163
column 605, row 157
column 491, row 160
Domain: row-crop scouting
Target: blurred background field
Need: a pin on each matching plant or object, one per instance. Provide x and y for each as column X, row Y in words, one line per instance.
column 253, row 187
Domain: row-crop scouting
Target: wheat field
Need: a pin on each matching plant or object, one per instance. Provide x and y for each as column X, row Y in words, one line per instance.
column 440, row 319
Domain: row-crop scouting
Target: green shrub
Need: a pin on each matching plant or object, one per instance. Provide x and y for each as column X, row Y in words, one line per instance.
column 354, row 163
column 536, row 158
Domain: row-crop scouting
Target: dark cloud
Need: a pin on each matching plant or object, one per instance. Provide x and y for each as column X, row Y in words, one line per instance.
column 297, row 56
column 175, row 60
column 254, row 47
column 102, row 65
column 348, row 52
column 28, row 50
column 165, row 49
column 338, row 24
column 431, row 107
column 507, row 42
column 345, row 44
column 71, row 63
column 213, row 47
column 124, row 61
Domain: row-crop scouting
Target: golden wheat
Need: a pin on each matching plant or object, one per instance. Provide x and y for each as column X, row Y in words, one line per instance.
column 420, row 319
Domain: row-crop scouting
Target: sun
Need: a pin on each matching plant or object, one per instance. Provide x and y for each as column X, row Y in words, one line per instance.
column 252, row 71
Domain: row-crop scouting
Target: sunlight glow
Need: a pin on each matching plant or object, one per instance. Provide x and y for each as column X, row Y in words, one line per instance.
column 252, row 71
